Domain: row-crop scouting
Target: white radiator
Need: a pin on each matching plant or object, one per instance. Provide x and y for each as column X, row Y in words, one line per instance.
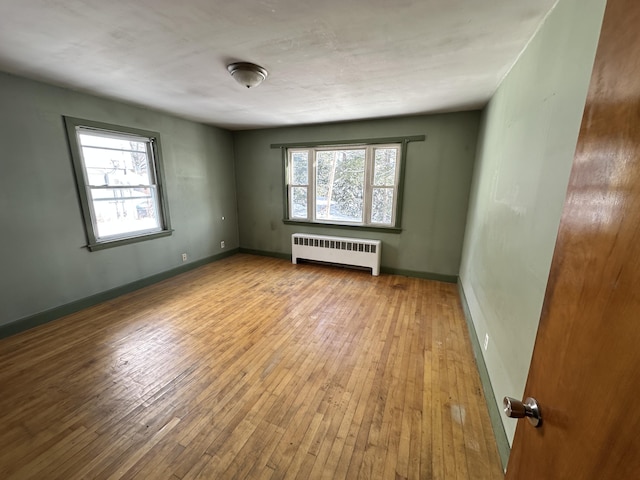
column 345, row 251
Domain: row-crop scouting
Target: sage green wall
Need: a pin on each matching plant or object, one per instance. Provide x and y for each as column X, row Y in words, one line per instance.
column 42, row 244
column 437, row 180
column 525, row 150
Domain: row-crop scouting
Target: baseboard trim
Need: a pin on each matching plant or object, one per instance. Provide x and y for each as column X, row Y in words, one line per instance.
column 264, row 253
column 494, row 412
column 438, row 277
column 41, row 318
column 391, row 271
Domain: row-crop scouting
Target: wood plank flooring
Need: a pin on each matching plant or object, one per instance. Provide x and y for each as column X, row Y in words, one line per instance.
column 255, row 368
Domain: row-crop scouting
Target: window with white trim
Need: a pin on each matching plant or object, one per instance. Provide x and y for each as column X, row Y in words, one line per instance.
column 350, row 185
column 119, row 179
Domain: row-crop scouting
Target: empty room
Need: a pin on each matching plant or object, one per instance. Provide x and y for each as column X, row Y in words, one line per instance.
column 339, row 240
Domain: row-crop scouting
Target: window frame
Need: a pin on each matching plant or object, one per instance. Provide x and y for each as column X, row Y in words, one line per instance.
column 368, row 186
column 75, row 126
column 347, row 144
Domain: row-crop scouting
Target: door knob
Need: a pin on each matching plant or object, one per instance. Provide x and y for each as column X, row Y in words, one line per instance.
column 529, row 408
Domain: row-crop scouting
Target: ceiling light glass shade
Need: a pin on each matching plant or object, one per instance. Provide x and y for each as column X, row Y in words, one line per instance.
column 247, row 74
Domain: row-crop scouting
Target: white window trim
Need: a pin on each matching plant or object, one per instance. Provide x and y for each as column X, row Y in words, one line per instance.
column 368, row 183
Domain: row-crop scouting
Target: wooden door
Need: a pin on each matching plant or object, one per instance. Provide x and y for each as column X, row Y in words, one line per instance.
column 585, row 371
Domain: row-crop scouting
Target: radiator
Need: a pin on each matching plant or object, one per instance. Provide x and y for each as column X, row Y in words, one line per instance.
column 345, row 251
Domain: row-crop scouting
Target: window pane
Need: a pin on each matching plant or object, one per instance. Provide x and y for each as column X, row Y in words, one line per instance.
column 382, row 205
column 299, row 202
column 340, row 185
column 114, row 161
column 120, row 211
column 384, row 172
column 300, row 168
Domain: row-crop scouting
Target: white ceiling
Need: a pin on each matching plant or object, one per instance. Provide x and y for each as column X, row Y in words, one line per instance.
column 328, row 60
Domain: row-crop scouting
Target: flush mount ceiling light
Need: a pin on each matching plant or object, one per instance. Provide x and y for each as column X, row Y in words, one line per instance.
column 247, row 74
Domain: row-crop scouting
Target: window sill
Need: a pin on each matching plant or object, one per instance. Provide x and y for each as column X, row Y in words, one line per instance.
column 364, row 228
column 128, row 240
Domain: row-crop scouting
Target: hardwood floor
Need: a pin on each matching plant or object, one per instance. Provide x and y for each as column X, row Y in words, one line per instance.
column 250, row 368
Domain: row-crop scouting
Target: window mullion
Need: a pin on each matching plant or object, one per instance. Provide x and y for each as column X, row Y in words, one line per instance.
column 311, row 187
column 396, row 182
column 368, row 185
column 289, row 175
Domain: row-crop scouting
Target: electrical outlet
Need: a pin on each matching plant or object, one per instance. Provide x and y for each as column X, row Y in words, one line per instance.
column 222, row 244
column 184, row 257
column 486, row 341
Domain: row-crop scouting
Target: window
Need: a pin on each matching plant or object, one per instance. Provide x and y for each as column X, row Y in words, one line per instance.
column 351, row 185
column 119, row 178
